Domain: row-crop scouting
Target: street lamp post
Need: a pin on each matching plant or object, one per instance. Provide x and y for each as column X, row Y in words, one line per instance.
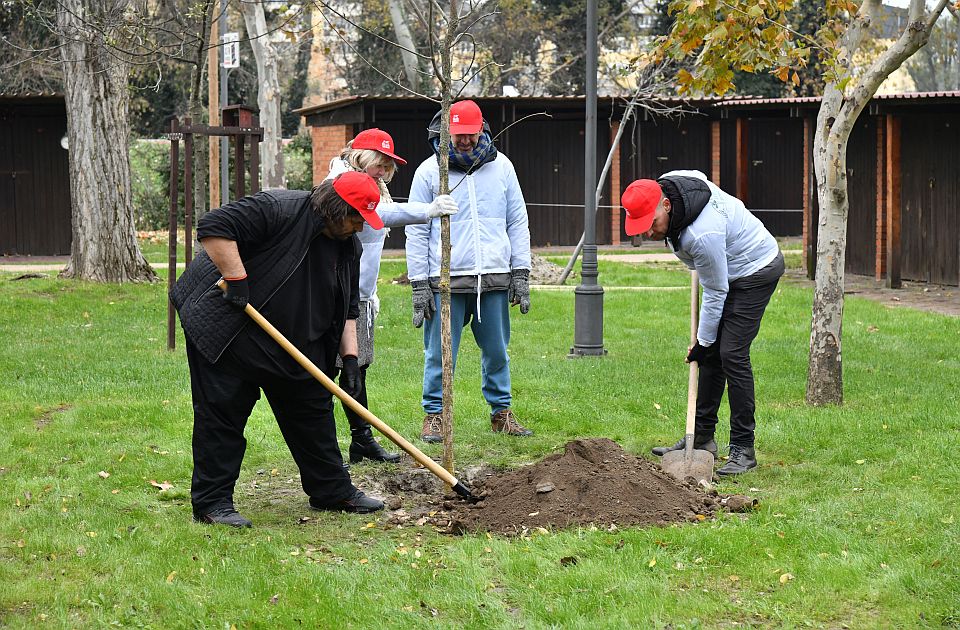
column 588, row 310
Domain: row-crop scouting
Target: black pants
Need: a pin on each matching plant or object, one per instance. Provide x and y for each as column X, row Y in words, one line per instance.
column 729, row 364
column 223, row 397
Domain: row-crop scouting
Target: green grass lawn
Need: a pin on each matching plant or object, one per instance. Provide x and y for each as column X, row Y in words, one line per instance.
column 857, row 524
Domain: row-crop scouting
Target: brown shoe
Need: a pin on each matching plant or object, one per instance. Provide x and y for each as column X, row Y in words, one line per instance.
column 504, row 421
column 432, row 427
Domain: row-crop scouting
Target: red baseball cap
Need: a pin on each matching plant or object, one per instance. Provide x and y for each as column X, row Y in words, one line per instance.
column 362, row 193
column 640, row 200
column 377, row 140
column 465, row 118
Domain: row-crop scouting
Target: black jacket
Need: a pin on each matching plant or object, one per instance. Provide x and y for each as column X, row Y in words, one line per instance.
column 273, row 231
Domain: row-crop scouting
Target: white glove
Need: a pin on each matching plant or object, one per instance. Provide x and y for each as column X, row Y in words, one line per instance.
column 442, row 206
column 374, row 305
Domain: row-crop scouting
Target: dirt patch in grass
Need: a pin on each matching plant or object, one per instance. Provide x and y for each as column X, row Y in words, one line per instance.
column 47, row 416
column 593, row 482
column 923, row 296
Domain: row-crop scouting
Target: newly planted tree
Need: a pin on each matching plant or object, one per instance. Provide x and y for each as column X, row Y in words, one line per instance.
column 448, row 31
column 724, row 36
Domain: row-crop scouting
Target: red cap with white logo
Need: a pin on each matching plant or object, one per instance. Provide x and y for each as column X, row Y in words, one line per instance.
column 377, row 140
column 362, row 193
column 465, row 118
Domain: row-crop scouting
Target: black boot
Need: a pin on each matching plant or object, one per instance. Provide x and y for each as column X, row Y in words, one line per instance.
column 364, row 446
column 699, row 443
column 742, row 459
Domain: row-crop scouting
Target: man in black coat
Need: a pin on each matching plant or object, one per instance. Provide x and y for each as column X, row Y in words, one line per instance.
column 294, row 256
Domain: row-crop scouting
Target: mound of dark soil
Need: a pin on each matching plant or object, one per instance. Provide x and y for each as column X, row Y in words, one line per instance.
column 593, row 481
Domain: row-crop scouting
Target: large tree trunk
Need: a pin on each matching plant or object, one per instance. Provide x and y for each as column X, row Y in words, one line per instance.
column 104, row 246
column 411, row 66
column 825, row 370
column 268, row 96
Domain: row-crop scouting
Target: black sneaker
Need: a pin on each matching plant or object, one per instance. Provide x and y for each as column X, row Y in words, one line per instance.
column 701, row 444
column 358, row 503
column 742, row 459
column 224, row 515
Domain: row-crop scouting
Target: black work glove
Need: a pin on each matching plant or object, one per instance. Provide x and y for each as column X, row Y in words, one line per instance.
column 238, row 292
column 519, row 291
column 423, row 306
column 350, row 376
column 698, row 353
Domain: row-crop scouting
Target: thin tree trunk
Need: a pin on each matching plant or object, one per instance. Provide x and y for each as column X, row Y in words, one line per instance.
column 835, row 122
column 268, row 96
column 104, row 246
column 200, row 157
column 446, row 343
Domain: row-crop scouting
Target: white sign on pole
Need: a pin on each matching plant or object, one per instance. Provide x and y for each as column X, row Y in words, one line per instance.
column 231, row 50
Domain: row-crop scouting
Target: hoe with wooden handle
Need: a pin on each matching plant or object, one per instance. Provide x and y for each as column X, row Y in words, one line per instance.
column 348, row 400
column 690, row 462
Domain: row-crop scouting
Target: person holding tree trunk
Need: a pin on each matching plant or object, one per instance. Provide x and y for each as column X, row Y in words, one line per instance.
column 739, row 264
column 294, row 256
column 489, row 262
column 373, row 152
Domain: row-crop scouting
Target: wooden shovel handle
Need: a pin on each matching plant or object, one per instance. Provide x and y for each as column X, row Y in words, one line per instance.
column 347, row 399
column 694, row 368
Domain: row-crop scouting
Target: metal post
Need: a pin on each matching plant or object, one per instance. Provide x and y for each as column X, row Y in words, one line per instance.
column 588, row 311
column 172, row 235
column 224, row 100
column 188, row 192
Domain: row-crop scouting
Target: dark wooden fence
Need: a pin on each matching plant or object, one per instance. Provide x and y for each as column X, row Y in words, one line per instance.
column 930, row 202
column 34, row 177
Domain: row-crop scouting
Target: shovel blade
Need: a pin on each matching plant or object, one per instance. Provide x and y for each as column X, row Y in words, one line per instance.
column 698, row 465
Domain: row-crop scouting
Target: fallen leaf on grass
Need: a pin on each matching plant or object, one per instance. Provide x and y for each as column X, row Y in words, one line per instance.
column 567, row 561
column 364, row 561
column 652, row 563
column 166, row 485
column 273, row 600
column 861, row 461
column 734, row 578
column 656, row 406
column 170, row 577
column 786, row 577
column 103, row 474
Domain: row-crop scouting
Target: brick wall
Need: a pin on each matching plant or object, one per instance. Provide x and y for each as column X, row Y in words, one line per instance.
column 328, row 142
column 715, row 152
column 881, row 257
column 807, row 202
column 615, row 189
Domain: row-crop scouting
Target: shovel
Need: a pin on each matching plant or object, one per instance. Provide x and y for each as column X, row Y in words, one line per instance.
column 348, row 400
column 690, row 462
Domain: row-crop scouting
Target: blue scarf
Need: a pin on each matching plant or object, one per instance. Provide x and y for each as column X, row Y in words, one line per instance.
column 468, row 162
